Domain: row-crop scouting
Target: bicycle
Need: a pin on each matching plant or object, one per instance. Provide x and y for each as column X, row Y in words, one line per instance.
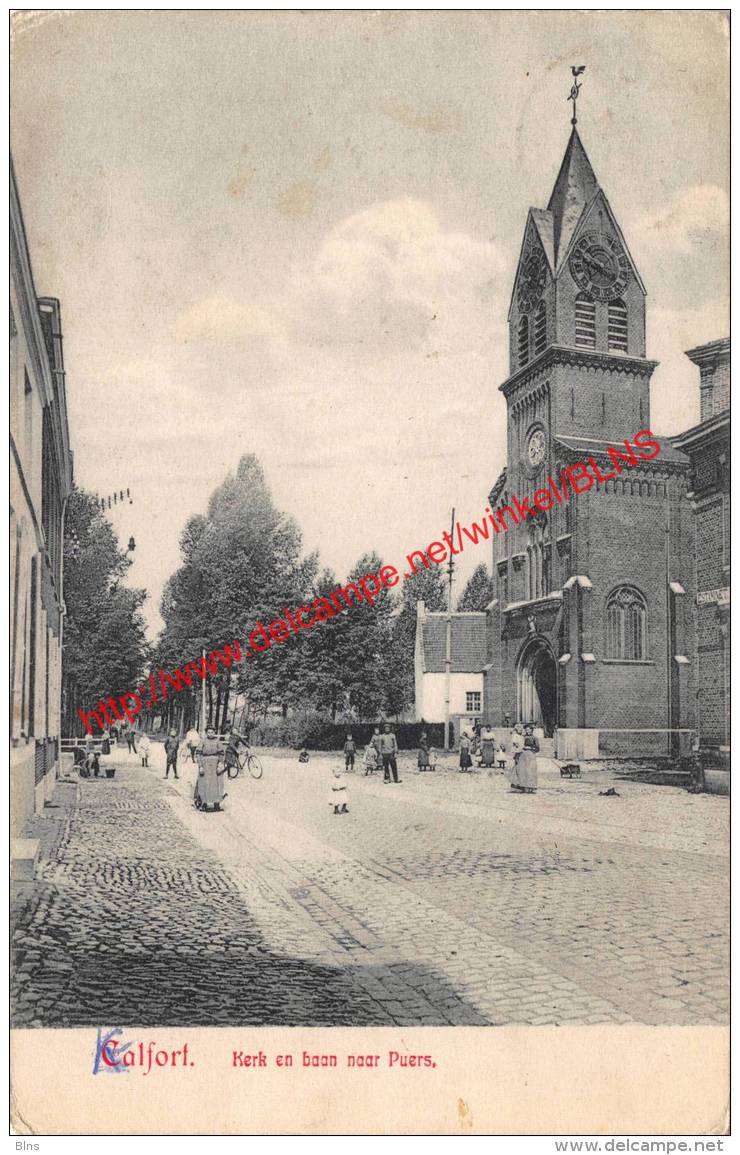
column 248, row 760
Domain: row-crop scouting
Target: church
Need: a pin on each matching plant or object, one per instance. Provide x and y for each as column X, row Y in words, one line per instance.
column 590, row 632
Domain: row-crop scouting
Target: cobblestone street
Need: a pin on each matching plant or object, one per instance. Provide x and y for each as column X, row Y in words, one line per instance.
column 443, row 900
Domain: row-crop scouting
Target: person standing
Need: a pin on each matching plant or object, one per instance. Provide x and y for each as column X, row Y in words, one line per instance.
column 487, row 746
column 527, row 762
column 130, row 739
column 339, row 794
column 516, row 746
column 349, row 753
column 388, row 752
column 170, row 750
column 422, row 760
column 192, row 741
column 465, row 759
column 144, row 748
column 209, row 786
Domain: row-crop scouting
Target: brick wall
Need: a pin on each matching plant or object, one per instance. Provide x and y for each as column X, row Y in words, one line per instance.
column 715, row 389
column 709, row 551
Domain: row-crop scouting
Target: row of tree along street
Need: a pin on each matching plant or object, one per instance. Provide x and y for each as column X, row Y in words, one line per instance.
column 241, row 562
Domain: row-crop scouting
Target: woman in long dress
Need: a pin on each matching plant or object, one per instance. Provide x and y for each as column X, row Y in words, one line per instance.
column 422, row 760
column 466, row 761
column 526, row 764
column 488, row 746
column 209, row 785
column 516, row 747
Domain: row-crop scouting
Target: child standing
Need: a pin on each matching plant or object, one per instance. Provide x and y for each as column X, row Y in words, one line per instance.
column 371, row 759
column 339, row 794
column 144, row 748
column 349, row 753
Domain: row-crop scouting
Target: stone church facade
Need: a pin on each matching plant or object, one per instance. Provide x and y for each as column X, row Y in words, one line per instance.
column 590, row 631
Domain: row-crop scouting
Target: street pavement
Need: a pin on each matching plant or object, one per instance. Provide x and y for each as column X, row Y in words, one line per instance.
column 445, row 899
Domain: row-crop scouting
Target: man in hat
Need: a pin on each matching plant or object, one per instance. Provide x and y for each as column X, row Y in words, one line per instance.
column 388, row 750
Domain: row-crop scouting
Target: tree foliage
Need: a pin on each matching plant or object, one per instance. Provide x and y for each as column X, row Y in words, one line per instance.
column 105, row 651
column 478, row 592
column 242, row 564
column 429, row 587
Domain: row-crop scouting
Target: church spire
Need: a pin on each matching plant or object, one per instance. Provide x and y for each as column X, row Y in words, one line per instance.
column 575, row 188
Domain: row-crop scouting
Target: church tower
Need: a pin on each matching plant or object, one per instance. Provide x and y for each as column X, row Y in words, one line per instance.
column 588, row 628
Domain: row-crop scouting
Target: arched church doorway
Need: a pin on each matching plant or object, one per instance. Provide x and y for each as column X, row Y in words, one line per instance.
column 537, row 686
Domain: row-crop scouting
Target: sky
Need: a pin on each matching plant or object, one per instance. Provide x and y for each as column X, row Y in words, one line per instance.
column 295, row 234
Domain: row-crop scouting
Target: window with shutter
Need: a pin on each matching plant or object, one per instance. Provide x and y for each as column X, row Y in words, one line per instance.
column 523, row 345
column 617, row 327
column 585, row 322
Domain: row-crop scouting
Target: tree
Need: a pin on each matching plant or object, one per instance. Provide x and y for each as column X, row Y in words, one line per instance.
column 478, row 592
column 242, row 564
column 105, row 651
column 428, row 586
column 368, row 643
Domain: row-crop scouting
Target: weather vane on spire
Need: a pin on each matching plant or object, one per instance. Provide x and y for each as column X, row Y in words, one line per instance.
column 576, row 69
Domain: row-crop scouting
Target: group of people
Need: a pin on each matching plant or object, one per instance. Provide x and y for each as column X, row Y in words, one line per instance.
column 380, row 752
column 519, row 754
column 212, row 759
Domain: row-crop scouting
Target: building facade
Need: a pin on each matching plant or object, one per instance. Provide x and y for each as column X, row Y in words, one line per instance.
column 590, row 633
column 467, row 660
column 708, row 448
column 40, row 483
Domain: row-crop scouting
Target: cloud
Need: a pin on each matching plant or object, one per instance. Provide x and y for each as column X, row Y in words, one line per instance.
column 696, row 217
column 220, row 318
column 675, row 387
column 365, row 382
column 438, row 119
column 389, row 279
column 683, row 249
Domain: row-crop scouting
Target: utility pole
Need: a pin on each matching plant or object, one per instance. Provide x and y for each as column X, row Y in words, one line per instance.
column 203, row 700
column 448, row 647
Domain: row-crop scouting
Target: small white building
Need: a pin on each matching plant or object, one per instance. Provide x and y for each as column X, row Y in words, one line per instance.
column 468, row 658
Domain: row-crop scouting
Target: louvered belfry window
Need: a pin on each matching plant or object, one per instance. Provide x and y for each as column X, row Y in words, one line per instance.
column 540, row 329
column 585, row 322
column 523, row 342
column 617, row 327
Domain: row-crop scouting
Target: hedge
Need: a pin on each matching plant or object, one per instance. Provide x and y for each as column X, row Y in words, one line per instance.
column 317, row 733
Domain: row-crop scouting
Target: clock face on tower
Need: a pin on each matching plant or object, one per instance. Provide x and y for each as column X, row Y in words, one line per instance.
column 536, row 449
column 600, row 266
column 531, row 280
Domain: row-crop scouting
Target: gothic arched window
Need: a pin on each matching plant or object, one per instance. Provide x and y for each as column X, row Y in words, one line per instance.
column 617, row 327
column 523, row 340
column 626, row 625
column 585, row 322
column 537, row 564
column 540, row 328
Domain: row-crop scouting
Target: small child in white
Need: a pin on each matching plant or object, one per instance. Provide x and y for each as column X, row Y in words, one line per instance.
column 339, row 794
column 144, row 748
